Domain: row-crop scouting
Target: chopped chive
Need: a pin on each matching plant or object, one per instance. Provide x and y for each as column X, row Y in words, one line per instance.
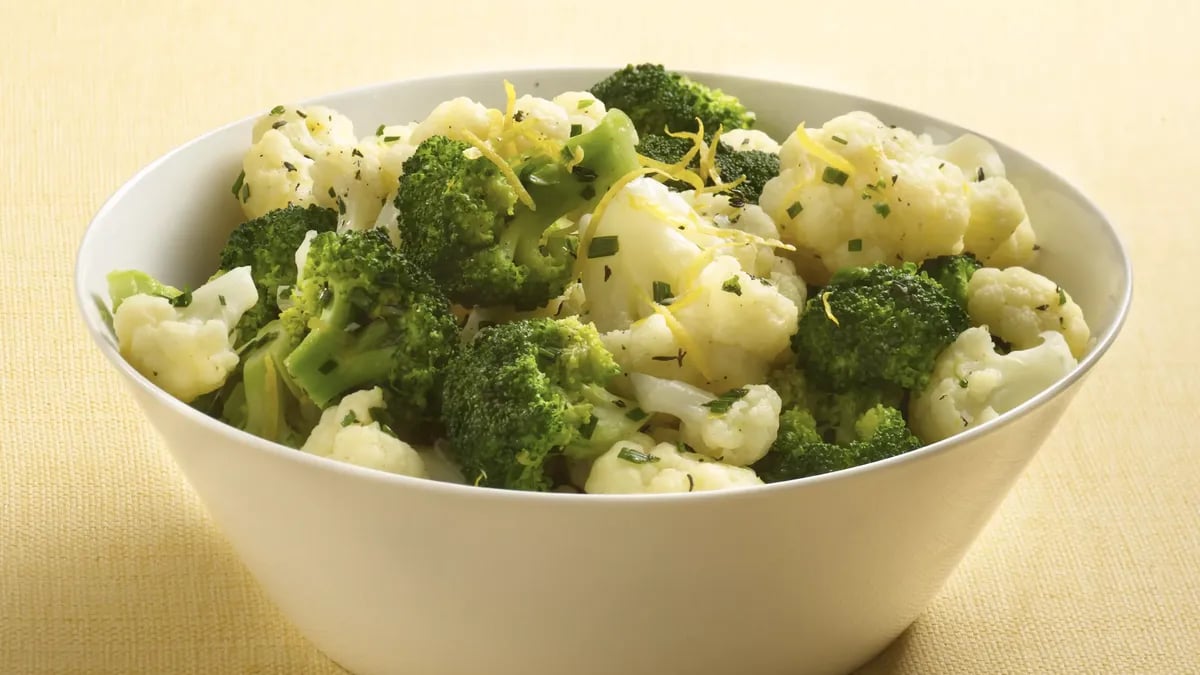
column 637, row 414
column 237, row 183
column 635, row 456
column 341, row 205
column 356, row 153
column 289, row 166
column 895, row 177
column 854, row 245
column 1042, row 308
column 979, row 175
column 584, row 104
column 278, row 124
column 941, row 165
column 602, row 247
column 661, row 291
column 182, row 300
column 691, row 482
column 795, row 209
column 1062, row 296
column 962, row 382
column 221, row 299
column 883, row 210
column 278, row 110
column 663, row 358
column 724, row 402
column 838, row 139
column 350, row 418
column 379, row 130
column 732, row 285
column 607, row 272
column 332, row 193
column 245, row 192
column 576, row 129
column 519, row 116
column 390, row 139
column 302, row 114
column 834, row 176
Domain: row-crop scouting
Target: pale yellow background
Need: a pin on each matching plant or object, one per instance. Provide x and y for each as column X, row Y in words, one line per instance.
column 108, row 564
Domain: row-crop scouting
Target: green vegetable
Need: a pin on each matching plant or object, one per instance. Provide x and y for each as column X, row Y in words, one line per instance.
column 656, row 99
column 525, row 394
column 369, row 318
column 758, row 167
column 880, row 323
column 800, row 450
column 953, row 272
column 463, row 223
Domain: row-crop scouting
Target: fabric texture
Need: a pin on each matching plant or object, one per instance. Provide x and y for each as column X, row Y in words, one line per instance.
column 108, row 562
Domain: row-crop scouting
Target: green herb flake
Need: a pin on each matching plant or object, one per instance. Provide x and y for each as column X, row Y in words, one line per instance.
column 1062, row 296
column 962, row 382
column 302, row 114
column 691, row 482
column 379, row 130
column 834, row 176
column 979, row 175
column 221, row 299
column 390, row 139
column 584, row 104
column 278, row 110
column 732, row 285
column 576, row 129
column 607, row 272
column 635, row 456
column 795, row 209
column 661, row 291
column 341, row 206
column 350, row 418
column 838, row 139
column 941, row 166
column 602, row 247
column 589, row 427
column 883, row 210
column 637, row 414
column 278, row 124
column 182, row 300
column 245, row 192
column 356, row 153
column 721, row 404
column 332, row 193
column 289, row 166
column 237, row 183
column 1042, row 308
column 854, row 245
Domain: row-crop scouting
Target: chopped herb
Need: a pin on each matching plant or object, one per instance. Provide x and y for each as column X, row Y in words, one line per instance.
column 838, row 139
column 584, row 103
column 964, row 420
column 583, row 173
column 327, row 367
column 356, row 153
column 834, row 176
column 637, row 414
column 737, row 201
column 866, row 196
column 941, row 165
column 519, row 116
column 732, row 285
column 588, row 191
column 358, row 174
column 182, row 300
column 576, row 129
column 278, row 124
column 341, row 206
column 854, row 245
column 691, row 482
column 221, row 299
column 895, row 177
column 1037, row 247
column 237, row 183
column 302, row 114
column 1062, row 296
column 635, row 456
column 245, row 192
column 678, row 357
column 661, row 291
column 883, row 210
column 663, row 358
column 962, row 382
column 589, row 427
column 607, row 272
column 350, row 418
column 602, row 247
column 332, row 193
column 795, row 209
column 390, row 139
column 724, row 402
column 1042, row 308
column 979, row 175
column 379, row 130
column 289, row 166
column 278, row 110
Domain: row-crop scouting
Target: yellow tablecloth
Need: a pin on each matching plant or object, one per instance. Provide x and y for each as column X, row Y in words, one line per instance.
column 108, row 564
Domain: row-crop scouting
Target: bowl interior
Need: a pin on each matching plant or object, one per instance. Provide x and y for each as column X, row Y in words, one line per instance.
column 172, row 218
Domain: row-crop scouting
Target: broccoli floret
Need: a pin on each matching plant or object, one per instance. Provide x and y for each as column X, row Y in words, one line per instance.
column 462, row 221
column 372, row 319
column 525, row 393
column 880, row 323
column 657, row 99
column 757, row 166
column 800, row 449
column 268, row 245
column 953, row 272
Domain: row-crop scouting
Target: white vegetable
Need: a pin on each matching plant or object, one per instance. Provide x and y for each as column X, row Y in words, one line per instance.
column 1018, row 305
column 750, row 139
column 739, row 435
column 582, row 108
column 638, row 466
column 972, row 384
column 900, row 200
column 187, row 351
column 348, row 433
column 451, row 118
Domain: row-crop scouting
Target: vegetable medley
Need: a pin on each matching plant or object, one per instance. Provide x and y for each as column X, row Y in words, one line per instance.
column 628, row 289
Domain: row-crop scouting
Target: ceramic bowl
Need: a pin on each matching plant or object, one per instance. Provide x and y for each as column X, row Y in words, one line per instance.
column 389, row 574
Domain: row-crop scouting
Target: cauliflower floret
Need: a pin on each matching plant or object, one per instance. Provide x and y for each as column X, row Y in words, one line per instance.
column 349, row 433
column 451, row 118
column 310, row 156
column 1018, row 305
column 187, row 350
column 1019, row 249
column 857, row 192
column 972, row 384
column 543, row 118
column 582, row 109
column 737, row 427
column 639, row 466
column 972, row 154
column 750, row 139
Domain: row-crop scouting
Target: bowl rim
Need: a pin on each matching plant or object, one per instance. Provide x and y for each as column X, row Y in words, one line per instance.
column 100, row 333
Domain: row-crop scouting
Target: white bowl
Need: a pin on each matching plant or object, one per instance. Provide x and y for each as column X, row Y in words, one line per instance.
column 389, row 574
